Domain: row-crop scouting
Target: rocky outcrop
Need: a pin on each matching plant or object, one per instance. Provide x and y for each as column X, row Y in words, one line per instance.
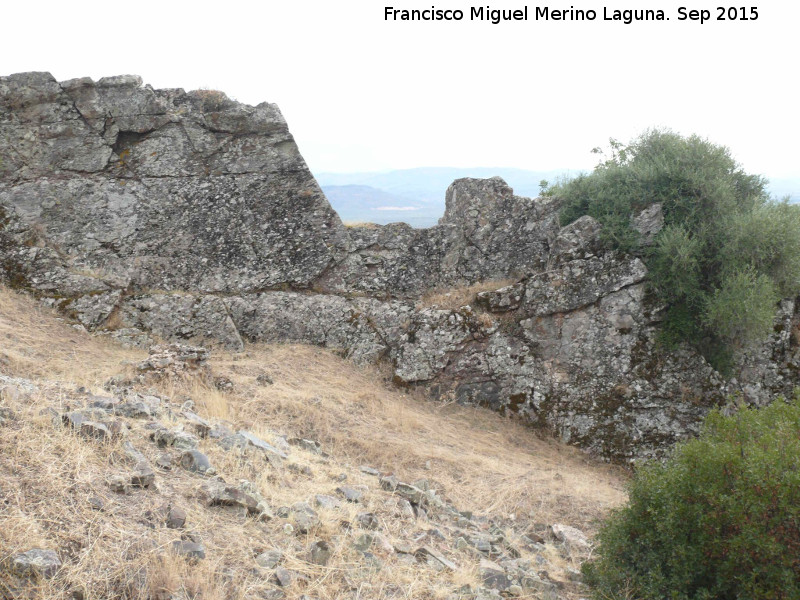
column 189, row 216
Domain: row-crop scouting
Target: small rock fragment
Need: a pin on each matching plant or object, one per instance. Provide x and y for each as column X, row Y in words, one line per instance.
column 350, row 494
column 303, row 517
column 36, row 563
column 94, row 430
column 269, row 559
column 328, row 502
column 426, row 553
column 176, row 518
column 367, row 520
column 320, row 553
column 195, row 461
column 187, row 549
column 118, row 484
column 284, row 577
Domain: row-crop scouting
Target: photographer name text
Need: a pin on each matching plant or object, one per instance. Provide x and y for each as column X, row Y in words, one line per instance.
column 625, row 16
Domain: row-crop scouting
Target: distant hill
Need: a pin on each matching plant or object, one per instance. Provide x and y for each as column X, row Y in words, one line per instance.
column 364, row 203
column 416, row 196
column 420, row 192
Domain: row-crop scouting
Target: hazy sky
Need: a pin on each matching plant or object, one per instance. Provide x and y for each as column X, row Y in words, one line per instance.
column 361, row 93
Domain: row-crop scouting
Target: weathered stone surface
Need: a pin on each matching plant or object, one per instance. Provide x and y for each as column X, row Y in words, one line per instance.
column 259, row 444
column 320, row 553
column 573, row 538
column 143, row 475
column 269, row 559
column 217, row 493
column 195, row 461
column 303, row 517
column 234, row 177
column 325, row 501
column 192, row 217
column 36, row 563
column 648, row 223
column 426, row 553
column 176, row 517
column 190, row 550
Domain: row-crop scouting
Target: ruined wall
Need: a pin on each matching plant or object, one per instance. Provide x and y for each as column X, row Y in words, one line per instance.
column 145, row 212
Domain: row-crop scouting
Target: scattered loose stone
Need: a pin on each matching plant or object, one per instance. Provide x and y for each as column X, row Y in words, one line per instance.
column 118, row 484
column 176, row 518
column 320, row 553
column 94, row 430
column 269, row 559
column 264, row 379
column 573, row 539
column 422, row 484
column 187, row 549
column 6, row 415
column 363, row 542
column 309, row 445
column 257, row 442
column 36, row 563
column 73, row 419
column 369, row 471
column 284, row 577
column 134, row 409
column 195, row 461
column 174, row 359
column 412, row 494
column 175, row 438
column 402, row 547
column 350, row 494
column 223, row 384
column 389, row 483
column 426, row 553
column 200, row 425
column 303, row 517
column 300, row 469
column 494, row 576
column 328, row 502
column 143, row 475
column 367, row 520
column 164, row 461
column 218, row 493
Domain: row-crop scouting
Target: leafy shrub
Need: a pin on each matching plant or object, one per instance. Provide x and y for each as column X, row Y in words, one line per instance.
column 726, row 252
column 720, row 520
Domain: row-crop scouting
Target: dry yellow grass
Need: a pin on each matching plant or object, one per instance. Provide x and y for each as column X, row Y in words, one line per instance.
column 456, row 297
column 476, row 459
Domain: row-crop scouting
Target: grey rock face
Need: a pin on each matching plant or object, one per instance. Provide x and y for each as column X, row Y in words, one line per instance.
column 92, row 163
column 192, row 217
column 36, row 562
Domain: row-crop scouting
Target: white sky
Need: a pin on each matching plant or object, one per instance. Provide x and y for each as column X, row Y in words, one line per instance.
column 363, row 94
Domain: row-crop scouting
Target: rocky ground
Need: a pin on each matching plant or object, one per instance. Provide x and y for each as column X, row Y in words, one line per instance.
column 277, row 472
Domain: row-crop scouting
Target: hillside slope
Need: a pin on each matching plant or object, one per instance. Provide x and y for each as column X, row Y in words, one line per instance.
column 101, row 461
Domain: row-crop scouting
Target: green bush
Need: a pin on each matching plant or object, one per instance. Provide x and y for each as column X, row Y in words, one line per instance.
column 726, row 252
column 719, row 521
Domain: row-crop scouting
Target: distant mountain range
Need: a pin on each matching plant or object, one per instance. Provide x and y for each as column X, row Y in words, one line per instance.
column 416, row 196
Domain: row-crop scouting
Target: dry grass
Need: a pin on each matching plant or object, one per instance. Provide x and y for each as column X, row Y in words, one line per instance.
column 477, row 461
column 35, row 344
column 456, row 297
column 360, row 224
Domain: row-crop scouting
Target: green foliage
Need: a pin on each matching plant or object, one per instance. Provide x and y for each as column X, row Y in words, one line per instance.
column 720, row 520
column 726, row 251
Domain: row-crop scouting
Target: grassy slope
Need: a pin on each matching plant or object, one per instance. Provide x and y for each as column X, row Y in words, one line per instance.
column 477, row 460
